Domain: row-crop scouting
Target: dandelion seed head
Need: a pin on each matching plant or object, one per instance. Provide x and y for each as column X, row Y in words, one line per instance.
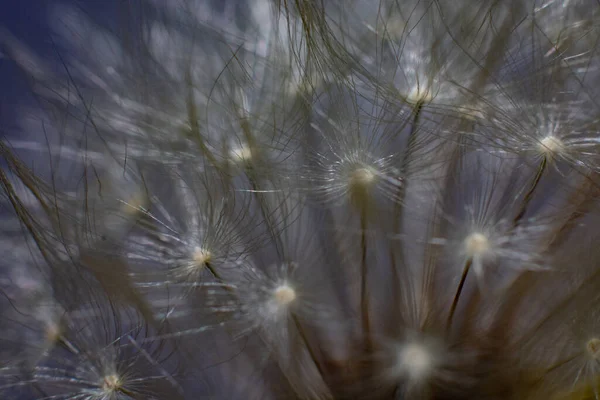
column 111, row 383
column 284, row 295
column 201, row 257
column 420, row 94
column 477, row 244
column 240, row 154
column 550, row 146
column 415, row 361
column 357, row 176
column 362, row 178
column 258, row 147
column 275, row 306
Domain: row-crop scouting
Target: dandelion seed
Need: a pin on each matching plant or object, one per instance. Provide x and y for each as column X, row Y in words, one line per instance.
column 357, row 159
column 362, row 178
column 476, row 245
column 416, row 362
column 112, row 383
column 284, row 295
column 201, row 257
column 551, row 145
column 241, row 154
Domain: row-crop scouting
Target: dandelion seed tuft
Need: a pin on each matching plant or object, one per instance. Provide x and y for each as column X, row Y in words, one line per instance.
column 415, row 361
column 362, row 178
column 111, row 383
column 201, row 257
column 240, row 154
column 476, row 245
column 284, row 295
column 550, row 146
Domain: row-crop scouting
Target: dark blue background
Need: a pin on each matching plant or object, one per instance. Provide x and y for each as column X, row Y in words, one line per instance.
column 28, row 21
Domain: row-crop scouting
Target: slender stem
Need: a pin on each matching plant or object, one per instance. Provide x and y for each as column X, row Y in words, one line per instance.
column 560, row 363
column 459, row 289
column 213, row 272
column 529, row 194
column 411, row 141
column 401, row 192
column 364, row 298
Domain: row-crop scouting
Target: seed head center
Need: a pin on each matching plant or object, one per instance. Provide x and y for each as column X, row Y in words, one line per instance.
column 240, row 154
column 111, row 383
column 362, row 177
column 415, row 360
column 284, row 295
column 551, row 145
column 476, row 244
column 201, row 256
column 593, row 347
